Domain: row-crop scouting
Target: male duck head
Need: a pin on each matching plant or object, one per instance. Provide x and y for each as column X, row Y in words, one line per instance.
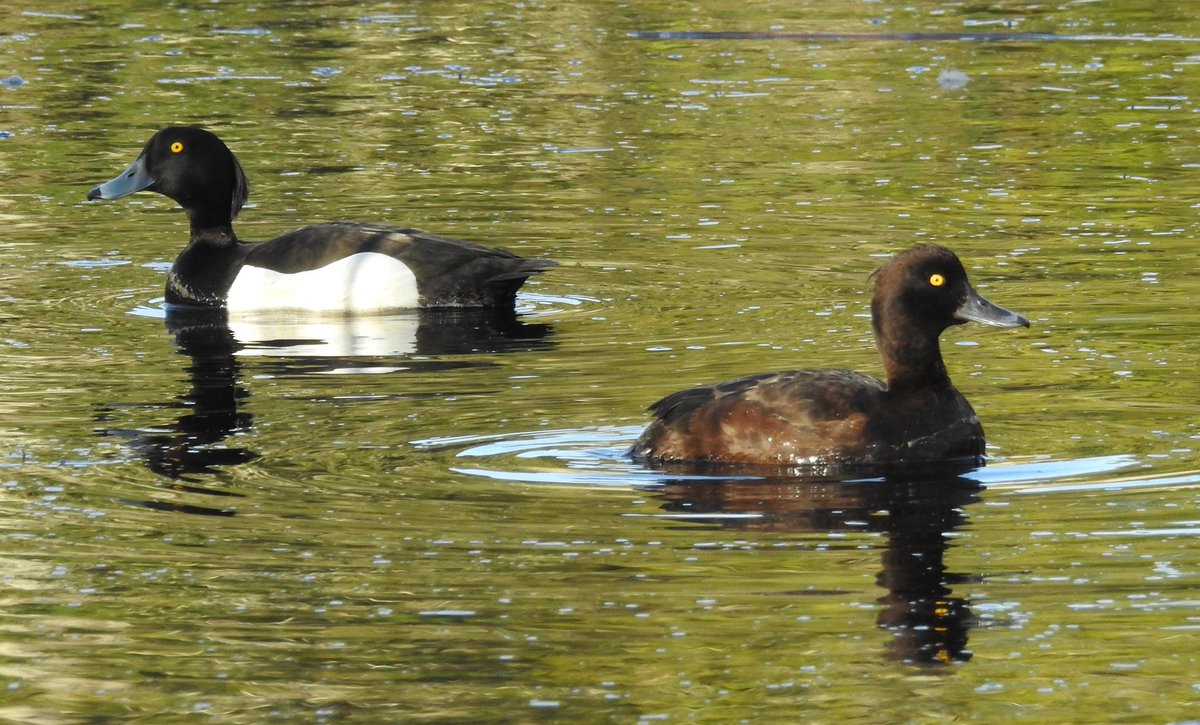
column 191, row 166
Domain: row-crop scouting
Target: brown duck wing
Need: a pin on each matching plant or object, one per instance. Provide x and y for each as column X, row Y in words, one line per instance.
column 449, row 272
column 809, row 416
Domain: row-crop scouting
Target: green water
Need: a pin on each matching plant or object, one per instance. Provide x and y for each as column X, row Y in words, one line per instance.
column 444, row 528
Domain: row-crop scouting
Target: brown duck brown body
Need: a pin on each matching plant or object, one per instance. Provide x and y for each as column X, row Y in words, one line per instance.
column 833, row 417
column 811, row 417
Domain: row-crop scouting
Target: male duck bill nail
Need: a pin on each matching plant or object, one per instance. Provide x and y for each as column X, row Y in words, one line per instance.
column 841, row 417
column 334, row 267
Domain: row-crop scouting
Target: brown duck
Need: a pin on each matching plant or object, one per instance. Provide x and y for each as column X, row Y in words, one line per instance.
column 842, row 417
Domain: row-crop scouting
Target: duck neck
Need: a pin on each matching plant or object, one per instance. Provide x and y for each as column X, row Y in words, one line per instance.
column 211, row 232
column 912, row 355
column 209, row 214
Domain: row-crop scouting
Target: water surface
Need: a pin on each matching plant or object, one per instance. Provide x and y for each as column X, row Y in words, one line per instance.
column 430, row 517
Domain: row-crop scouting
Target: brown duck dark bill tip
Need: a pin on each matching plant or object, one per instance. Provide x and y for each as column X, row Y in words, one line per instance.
column 977, row 308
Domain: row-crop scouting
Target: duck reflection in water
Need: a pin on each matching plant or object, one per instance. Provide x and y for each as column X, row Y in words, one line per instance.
column 917, row 512
column 197, row 443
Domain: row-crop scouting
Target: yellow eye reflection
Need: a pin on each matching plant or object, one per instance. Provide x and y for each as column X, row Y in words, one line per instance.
column 937, row 280
column 177, row 147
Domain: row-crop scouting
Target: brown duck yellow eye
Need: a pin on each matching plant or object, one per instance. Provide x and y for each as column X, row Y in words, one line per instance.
column 177, row 147
column 937, row 280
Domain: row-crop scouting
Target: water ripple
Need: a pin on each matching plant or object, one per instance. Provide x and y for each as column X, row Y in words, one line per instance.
column 598, row 457
column 918, row 37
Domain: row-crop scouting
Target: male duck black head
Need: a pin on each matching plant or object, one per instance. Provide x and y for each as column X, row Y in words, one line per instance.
column 340, row 266
column 841, row 417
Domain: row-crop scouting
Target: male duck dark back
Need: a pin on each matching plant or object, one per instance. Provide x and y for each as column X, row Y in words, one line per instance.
column 334, row 267
column 841, row 417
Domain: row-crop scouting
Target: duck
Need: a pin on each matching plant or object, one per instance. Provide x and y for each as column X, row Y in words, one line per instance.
column 833, row 418
column 342, row 266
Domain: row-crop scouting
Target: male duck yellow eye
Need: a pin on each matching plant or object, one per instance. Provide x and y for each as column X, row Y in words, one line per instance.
column 177, row 147
column 937, row 280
